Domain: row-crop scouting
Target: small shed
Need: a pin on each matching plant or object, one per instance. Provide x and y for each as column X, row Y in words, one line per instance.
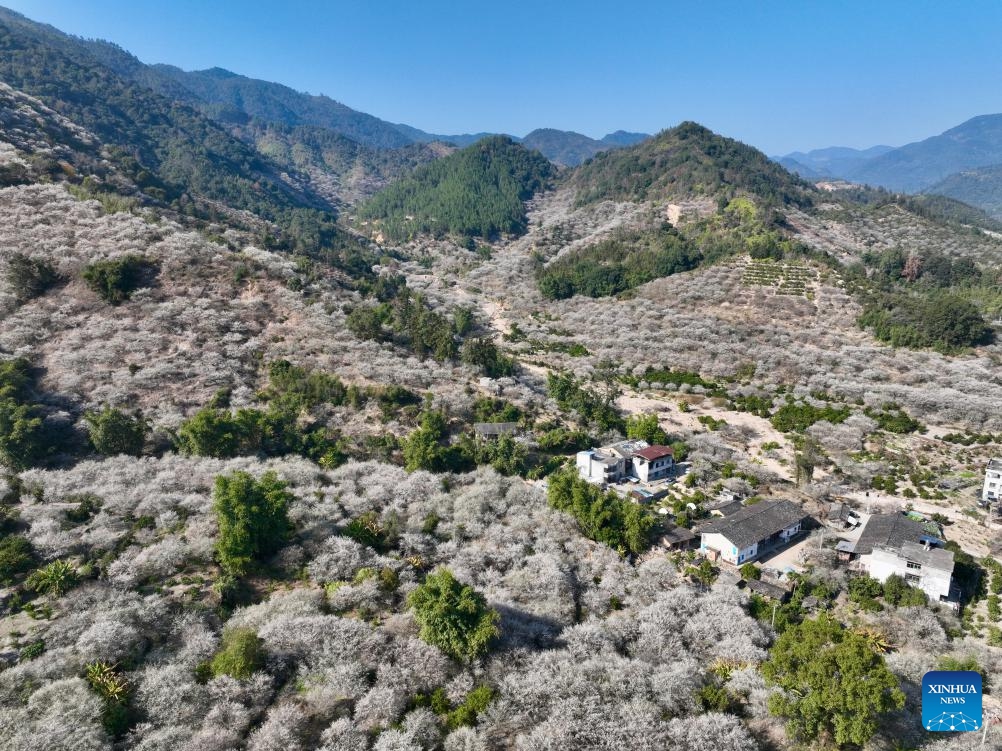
column 844, row 550
column 678, row 538
column 768, row 590
column 494, row 430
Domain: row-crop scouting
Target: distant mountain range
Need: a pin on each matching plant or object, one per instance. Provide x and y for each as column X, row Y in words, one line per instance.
column 964, row 163
column 230, row 98
column 835, row 161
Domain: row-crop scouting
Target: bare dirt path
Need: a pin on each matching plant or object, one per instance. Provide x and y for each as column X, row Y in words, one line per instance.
column 755, row 431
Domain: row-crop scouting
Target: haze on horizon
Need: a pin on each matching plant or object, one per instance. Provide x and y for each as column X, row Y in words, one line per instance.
column 781, row 76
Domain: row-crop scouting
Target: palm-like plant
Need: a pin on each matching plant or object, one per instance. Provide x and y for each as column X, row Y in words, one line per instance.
column 105, row 679
column 56, row 578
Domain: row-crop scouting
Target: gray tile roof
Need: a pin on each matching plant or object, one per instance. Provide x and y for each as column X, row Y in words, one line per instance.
column 936, row 558
column 766, row 589
column 888, row 530
column 995, row 464
column 495, row 428
column 756, row 522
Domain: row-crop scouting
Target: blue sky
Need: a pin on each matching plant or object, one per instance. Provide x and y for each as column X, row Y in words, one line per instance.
column 778, row 75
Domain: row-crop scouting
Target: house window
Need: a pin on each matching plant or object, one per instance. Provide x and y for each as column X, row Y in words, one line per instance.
column 913, row 578
column 912, row 564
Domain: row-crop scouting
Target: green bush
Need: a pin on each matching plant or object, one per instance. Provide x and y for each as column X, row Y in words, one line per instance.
column 253, row 519
column 16, row 556
column 452, row 616
column 618, row 264
column 465, row 715
column 799, row 416
column 834, row 683
column 56, row 578
column 115, row 280
column 240, row 655
column 29, row 278
column 646, row 428
column 483, row 353
column 113, row 432
column 31, row 650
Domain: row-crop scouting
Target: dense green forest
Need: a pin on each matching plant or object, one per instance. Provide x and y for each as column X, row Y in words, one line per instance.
column 476, row 192
column 622, row 262
column 686, row 160
column 922, row 300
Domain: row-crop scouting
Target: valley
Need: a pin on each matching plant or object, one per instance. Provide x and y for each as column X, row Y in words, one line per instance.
column 299, row 411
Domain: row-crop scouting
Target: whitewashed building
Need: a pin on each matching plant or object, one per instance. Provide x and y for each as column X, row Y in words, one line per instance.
column 921, row 565
column 751, row 532
column 616, row 462
column 992, row 490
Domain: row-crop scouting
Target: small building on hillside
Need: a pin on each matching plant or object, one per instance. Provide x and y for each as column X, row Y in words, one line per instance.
column 921, row 565
column 625, row 460
column 992, row 490
column 678, row 538
column 752, row 531
column 653, row 463
column 891, row 530
column 768, row 590
column 494, row 430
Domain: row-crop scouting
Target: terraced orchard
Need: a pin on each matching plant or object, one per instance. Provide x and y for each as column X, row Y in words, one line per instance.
column 784, row 278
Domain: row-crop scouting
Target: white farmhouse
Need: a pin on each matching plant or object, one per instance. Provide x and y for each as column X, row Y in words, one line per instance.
column 751, row 532
column 921, row 565
column 627, row 459
column 992, row 491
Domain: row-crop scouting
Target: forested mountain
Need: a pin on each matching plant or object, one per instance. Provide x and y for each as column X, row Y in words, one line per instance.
column 172, row 152
column 686, row 160
column 981, row 187
column 917, row 166
column 478, row 191
column 230, row 97
column 564, row 147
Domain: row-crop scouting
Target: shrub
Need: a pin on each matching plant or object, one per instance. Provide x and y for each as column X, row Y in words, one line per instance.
column 113, row 432
column 465, row 715
column 750, row 571
column 115, row 280
column 210, row 432
column 16, row 556
column 798, row 416
column 29, row 278
column 645, row 427
column 240, row 655
column 253, row 519
column 942, row 321
column 56, row 578
column 114, row 690
column 483, row 353
column 31, row 650
column 454, row 617
column 23, row 438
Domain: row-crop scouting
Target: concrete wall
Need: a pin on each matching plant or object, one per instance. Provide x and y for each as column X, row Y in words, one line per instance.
column 883, row 563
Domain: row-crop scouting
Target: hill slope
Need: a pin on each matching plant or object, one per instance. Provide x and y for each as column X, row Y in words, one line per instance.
column 171, row 151
column 686, row 160
column 917, row 166
column 980, row 187
column 476, row 192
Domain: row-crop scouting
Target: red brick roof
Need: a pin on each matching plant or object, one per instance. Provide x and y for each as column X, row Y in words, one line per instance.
column 654, row 452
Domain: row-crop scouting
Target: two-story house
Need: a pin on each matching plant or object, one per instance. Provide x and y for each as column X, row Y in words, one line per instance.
column 992, row 490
